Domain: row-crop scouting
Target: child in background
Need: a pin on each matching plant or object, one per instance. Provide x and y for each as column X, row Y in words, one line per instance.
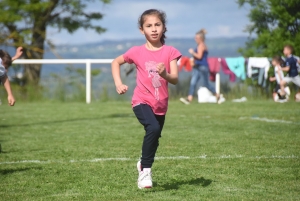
column 277, row 62
column 5, row 63
column 7, row 59
column 156, row 65
column 291, row 68
column 5, row 81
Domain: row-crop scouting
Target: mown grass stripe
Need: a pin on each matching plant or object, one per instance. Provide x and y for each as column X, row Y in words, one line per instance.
column 95, row 160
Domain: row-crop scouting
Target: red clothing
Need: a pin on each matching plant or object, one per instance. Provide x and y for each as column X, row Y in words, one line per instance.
column 185, row 63
column 214, row 67
column 227, row 71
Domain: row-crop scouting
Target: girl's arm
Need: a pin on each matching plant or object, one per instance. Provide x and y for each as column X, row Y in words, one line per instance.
column 286, row 69
column 115, row 69
column 199, row 54
column 171, row 77
column 18, row 54
column 10, row 97
column 280, row 74
column 272, row 79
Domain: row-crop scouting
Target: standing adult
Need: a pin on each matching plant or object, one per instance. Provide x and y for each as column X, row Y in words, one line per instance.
column 201, row 68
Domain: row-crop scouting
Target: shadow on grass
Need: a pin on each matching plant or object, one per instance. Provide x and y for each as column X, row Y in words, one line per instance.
column 11, row 171
column 176, row 184
column 48, row 122
column 117, row 115
column 120, row 115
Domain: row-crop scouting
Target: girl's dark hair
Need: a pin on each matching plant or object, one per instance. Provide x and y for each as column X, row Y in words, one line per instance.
column 161, row 15
column 279, row 60
column 6, row 58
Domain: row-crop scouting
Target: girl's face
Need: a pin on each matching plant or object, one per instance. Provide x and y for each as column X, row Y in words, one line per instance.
column 152, row 28
column 274, row 63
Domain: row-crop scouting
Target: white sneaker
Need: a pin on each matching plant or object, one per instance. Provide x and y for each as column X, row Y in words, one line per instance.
column 145, row 179
column 282, row 100
column 185, row 101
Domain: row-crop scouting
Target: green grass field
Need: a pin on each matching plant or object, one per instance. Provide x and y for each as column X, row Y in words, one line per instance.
column 74, row 151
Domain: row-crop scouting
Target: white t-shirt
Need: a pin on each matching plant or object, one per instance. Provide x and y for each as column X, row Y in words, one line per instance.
column 298, row 59
column 278, row 74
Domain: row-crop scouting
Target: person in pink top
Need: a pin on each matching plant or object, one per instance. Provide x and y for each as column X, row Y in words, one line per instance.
column 156, row 65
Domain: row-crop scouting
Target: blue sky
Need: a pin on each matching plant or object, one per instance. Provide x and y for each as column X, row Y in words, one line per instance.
column 221, row 18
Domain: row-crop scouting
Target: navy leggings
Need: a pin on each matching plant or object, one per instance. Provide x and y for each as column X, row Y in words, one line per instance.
column 153, row 125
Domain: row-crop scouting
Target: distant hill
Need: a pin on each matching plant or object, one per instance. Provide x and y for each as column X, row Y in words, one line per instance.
column 108, row 49
column 218, row 47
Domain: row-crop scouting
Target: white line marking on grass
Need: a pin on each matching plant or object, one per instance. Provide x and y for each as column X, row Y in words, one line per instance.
column 269, row 120
column 172, row 157
column 279, row 157
column 25, row 161
column 101, row 159
column 95, row 160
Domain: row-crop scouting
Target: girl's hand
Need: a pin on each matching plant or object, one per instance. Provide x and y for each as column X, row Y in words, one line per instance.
column 18, row 54
column 11, row 100
column 191, row 51
column 121, row 89
column 272, row 79
column 161, row 69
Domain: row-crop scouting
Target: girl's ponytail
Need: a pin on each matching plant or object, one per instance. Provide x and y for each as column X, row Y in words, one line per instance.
column 202, row 33
column 163, row 36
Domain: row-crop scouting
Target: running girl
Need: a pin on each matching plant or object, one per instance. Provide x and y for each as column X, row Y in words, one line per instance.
column 156, row 65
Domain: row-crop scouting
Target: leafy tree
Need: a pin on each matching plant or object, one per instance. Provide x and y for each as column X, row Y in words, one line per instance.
column 25, row 22
column 274, row 23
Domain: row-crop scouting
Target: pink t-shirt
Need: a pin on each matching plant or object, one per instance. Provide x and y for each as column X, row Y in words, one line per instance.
column 151, row 89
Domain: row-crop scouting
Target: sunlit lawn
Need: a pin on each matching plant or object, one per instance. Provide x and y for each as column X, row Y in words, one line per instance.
column 74, row 151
